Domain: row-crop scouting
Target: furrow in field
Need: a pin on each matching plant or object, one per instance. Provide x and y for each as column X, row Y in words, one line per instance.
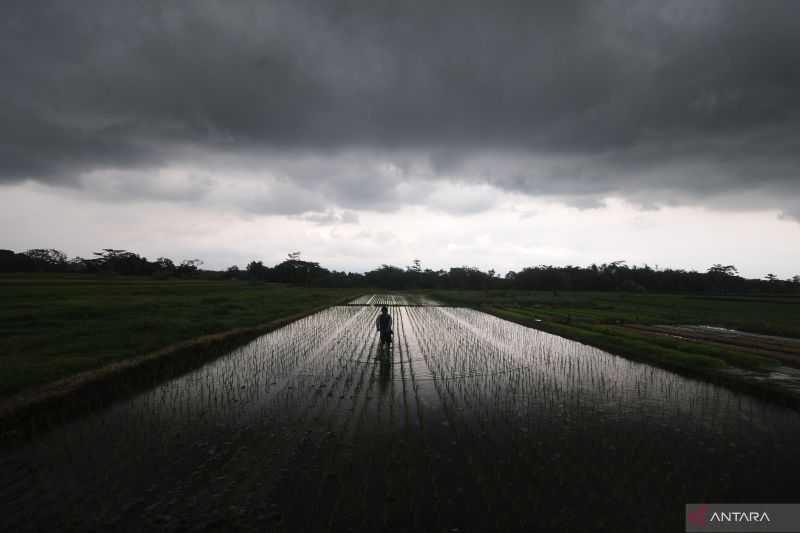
column 447, row 477
column 321, row 458
column 279, row 437
column 468, row 424
column 388, row 465
column 344, row 460
column 472, row 478
column 333, row 405
column 408, row 442
column 349, row 507
column 354, row 430
column 328, row 461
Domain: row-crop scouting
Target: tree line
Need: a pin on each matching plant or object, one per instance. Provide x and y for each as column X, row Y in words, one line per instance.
column 107, row 261
column 617, row 275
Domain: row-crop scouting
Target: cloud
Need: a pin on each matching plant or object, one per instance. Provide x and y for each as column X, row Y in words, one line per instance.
column 364, row 105
column 329, row 217
column 165, row 184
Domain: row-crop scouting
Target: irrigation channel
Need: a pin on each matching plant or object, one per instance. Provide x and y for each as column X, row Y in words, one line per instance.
column 471, row 423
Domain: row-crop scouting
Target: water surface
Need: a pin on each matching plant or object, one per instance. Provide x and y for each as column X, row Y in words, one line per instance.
column 469, row 422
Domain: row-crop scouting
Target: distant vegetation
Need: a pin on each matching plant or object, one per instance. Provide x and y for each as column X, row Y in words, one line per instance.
column 607, row 276
column 106, row 261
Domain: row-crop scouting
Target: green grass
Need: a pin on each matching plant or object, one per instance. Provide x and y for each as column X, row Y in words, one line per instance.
column 595, row 318
column 55, row 325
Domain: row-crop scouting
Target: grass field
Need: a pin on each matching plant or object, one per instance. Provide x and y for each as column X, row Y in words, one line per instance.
column 599, row 319
column 55, row 325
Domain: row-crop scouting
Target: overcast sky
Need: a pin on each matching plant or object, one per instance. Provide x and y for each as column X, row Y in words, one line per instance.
column 495, row 134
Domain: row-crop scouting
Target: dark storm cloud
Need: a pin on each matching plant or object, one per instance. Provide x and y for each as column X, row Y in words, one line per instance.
column 657, row 101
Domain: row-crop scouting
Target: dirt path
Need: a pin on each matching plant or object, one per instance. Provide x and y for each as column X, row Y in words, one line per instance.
column 784, row 349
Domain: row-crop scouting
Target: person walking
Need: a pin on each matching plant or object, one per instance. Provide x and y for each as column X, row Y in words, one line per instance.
column 384, row 325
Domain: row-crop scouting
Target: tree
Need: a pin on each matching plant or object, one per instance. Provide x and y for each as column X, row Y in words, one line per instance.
column 297, row 271
column 772, row 278
column 13, row 262
column 233, row 272
column 188, row 267
column 726, row 270
column 257, row 270
column 165, row 264
column 77, row 264
column 294, row 256
column 47, row 259
column 487, row 281
column 110, row 253
column 723, row 277
column 112, row 260
column 386, row 277
column 466, row 277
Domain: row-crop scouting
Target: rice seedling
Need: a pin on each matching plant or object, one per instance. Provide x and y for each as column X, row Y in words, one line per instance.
column 468, row 421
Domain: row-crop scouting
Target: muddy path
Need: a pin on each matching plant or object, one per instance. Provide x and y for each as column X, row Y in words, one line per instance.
column 784, row 349
column 468, row 423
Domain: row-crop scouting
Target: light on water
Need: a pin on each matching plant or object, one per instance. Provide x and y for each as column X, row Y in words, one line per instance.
column 468, row 420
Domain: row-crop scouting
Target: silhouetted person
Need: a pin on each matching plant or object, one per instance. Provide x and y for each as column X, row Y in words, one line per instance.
column 384, row 325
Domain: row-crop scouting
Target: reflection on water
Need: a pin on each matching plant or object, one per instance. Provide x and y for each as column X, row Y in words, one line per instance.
column 468, row 421
column 385, row 372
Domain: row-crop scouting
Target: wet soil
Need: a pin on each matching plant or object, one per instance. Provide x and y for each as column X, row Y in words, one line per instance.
column 468, row 423
column 784, row 349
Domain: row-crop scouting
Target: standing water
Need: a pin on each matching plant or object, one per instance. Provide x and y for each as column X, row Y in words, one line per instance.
column 467, row 422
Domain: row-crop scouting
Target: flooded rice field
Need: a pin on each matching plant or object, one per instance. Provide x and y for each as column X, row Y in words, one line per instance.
column 467, row 423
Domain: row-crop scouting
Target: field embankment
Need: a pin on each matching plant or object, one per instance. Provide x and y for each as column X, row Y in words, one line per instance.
column 54, row 326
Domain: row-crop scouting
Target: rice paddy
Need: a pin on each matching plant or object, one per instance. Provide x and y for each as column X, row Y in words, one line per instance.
column 468, row 423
